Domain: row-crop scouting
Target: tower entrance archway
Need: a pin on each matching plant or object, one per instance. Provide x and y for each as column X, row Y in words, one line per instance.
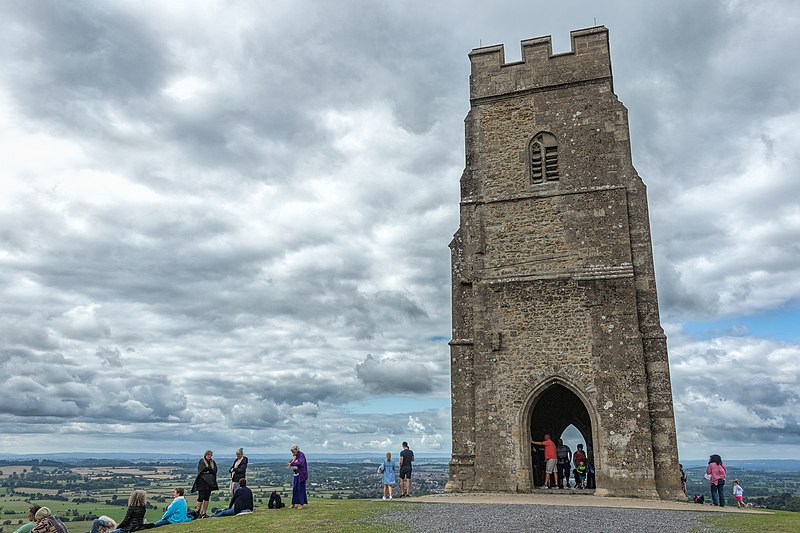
column 556, row 408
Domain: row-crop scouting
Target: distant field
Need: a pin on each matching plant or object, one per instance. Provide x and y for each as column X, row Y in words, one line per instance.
column 13, row 469
column 102, row 472
column 31, row 490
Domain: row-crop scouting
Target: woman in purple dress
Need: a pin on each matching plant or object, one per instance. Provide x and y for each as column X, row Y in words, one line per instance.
column 300, row 467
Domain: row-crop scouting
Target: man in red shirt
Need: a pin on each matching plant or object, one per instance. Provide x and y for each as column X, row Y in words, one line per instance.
column 551, row 459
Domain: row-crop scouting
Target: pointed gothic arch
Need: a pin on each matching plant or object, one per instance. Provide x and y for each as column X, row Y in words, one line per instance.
column 551, row 408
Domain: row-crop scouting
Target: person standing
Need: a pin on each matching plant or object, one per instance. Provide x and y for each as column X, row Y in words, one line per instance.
column 579, row 458
column 580, row 475
column 551, row 459
column 300, row 467
column 564, row 455
column 387, row 469
column 205, row 482
column 738, row 494
column 590, row 483
column 683, row 479
column 716, row 472
column 406, row 458
column 238, row 470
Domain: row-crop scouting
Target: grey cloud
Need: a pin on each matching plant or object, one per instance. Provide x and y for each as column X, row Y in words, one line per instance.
column 82, row 54
column 51, row 385
column 394, row 376
column 253, row 241
column 712, row 400
column 110, row 356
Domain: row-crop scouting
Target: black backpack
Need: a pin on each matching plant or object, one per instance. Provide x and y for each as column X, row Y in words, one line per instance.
column 275, row 501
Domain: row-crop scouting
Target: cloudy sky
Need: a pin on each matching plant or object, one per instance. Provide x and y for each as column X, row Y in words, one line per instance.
column 226, row 223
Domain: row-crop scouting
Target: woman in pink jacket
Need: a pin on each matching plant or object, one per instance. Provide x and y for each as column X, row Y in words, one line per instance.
column 715, row 472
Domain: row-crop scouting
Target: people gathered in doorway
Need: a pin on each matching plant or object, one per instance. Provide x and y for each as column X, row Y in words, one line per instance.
column 553, row 465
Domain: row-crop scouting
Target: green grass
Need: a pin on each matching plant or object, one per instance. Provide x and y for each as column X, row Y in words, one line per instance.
column 773, row 522
column 320, row 516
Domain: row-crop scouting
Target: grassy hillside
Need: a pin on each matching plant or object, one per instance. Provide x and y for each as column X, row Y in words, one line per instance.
column 322, row 515
column 363, row 516
column 774, row 522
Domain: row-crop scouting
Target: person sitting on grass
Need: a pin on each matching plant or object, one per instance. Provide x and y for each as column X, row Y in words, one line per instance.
column 176, row 512
column 134, row 516
column 47, row 523
column 27, row 527
column 241, row 501
column 104, row 524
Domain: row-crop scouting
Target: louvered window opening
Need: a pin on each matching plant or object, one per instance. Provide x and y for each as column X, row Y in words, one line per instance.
column 544, row 158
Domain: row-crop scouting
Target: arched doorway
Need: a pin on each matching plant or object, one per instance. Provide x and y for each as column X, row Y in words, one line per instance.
column 556, row 409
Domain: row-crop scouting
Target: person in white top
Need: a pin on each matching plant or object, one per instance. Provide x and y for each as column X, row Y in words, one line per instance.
column 738, row 494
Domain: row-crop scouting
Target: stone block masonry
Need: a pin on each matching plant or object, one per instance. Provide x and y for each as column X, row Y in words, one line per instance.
column 555, row 311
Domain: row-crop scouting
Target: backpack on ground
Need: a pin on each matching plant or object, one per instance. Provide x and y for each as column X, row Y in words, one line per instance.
column 275, row 501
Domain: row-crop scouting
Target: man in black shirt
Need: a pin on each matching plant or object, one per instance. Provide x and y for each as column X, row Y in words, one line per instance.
column 564, row 457
column 406, row 457
column 241, row 502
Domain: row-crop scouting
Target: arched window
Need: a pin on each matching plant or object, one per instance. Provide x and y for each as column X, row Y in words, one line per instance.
column 543, row 153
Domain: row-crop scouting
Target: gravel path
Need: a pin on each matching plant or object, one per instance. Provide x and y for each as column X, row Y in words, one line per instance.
column 501, row 518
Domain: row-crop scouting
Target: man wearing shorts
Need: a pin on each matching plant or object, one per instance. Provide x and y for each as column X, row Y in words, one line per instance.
column 406, row 457
column 551, row 460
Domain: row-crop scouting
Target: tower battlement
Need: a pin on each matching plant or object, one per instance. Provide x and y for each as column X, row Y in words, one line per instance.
column 589, row 59
column 555, row 311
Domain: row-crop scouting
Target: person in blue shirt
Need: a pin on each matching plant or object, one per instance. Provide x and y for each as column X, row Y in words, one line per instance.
column 176, row 512
column 387, row 468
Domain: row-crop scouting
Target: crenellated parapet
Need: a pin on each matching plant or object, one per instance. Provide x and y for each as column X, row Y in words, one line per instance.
column 555, row 312
column 588, row 60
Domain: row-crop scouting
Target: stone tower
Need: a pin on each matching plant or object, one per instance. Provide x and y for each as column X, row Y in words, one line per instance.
column 555, row 312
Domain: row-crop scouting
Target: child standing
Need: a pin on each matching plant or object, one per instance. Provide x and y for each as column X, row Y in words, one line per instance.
column 387, row 468
column 738, row 494
column 580, row 475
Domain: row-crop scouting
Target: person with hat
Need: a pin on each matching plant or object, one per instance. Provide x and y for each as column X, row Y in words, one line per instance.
column 47, row 523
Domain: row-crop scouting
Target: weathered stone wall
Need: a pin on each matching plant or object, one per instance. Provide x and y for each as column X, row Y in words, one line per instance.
column 553, row 282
